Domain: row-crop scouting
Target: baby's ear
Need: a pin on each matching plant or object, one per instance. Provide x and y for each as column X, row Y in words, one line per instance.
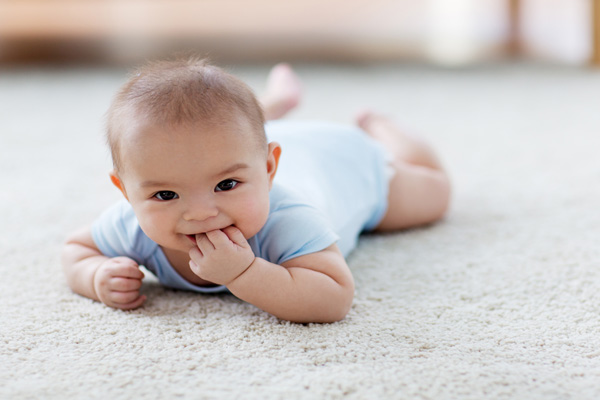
column 117, row 182
column 273, row 160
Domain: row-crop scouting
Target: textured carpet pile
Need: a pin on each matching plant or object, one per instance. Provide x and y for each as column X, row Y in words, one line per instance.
column 501, row 300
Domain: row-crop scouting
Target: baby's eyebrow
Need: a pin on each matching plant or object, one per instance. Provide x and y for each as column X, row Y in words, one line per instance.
column 229, row 170
column 233, row 168
column 153, row 184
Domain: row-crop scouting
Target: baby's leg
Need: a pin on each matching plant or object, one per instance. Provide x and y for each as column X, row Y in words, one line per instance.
column 419, row 191
column 283, row 92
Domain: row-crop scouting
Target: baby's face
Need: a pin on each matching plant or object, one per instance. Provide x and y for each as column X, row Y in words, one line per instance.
column 194, row 179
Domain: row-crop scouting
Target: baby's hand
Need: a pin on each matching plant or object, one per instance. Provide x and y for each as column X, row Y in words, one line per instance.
column 117, row 283
column 221, row 256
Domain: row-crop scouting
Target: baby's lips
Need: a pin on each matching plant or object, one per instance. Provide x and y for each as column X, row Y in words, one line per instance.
column 192, row 238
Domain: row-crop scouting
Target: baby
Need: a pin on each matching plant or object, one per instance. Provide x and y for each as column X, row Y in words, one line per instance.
column 214, row 204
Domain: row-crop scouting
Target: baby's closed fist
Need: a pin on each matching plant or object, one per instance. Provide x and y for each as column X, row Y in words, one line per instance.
column 117, row 283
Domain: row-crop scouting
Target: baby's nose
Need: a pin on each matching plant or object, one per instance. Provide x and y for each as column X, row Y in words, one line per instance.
column 200, row 210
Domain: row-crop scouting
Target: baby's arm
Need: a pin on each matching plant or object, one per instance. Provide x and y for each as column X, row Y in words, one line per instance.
column 316, row 287
column 113, row 281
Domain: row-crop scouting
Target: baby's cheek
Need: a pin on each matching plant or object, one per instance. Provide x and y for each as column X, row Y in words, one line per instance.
column 156, row 228
column 150, row 230
column 256, row 214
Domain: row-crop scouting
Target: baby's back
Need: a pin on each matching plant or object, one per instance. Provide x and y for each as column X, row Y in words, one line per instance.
column 336, row 168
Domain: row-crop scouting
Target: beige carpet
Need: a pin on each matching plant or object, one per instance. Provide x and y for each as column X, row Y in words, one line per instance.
column 499, row 301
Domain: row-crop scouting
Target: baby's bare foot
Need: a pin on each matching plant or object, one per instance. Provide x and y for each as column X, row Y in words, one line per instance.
column 402, row 146
column 380, row 128
column 284, row 91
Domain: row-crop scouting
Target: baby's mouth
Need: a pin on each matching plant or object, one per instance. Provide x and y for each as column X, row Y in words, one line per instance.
column 192, row 238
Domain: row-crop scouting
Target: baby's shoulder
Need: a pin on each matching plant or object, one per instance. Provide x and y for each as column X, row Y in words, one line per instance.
column 294, row 227
column 293, row 210
column 284, row 198
column 117, row 232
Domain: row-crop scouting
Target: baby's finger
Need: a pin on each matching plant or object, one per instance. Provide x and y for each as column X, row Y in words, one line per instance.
column 124, row 262
column 218, row 238
column 127, row 271
column 120, row 284
column 133, row 304
column 236, row 236
column 194, row 267
column 204, row 244
column 127, row 297
column 195, row 253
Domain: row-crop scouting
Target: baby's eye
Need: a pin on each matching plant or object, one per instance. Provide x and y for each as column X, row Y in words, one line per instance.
column 226, row 185
column 166, row 195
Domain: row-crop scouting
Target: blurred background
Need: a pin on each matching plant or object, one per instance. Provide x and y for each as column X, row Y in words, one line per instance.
column 446, row 32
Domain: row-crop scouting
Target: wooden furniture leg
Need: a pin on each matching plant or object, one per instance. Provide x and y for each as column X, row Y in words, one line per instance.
column 514, row 16
column 595, row 58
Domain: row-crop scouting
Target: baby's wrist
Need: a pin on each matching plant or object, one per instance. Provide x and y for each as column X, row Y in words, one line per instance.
column 243, row 272
column 95, row 275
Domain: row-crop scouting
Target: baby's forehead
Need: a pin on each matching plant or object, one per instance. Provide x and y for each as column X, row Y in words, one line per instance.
column 236, row 129
column 149, row 147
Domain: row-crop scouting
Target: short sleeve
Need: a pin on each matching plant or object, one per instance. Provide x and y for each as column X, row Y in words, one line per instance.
column 117, row 233
column 294, row 230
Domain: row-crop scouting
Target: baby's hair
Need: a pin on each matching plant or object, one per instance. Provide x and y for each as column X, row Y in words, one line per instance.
column 180, row 91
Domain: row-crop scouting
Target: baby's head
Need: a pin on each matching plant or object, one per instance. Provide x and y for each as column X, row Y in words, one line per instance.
column 190, row 153
column 180, row 92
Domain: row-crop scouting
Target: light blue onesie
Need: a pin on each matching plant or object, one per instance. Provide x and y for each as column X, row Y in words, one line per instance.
column 331, row 185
